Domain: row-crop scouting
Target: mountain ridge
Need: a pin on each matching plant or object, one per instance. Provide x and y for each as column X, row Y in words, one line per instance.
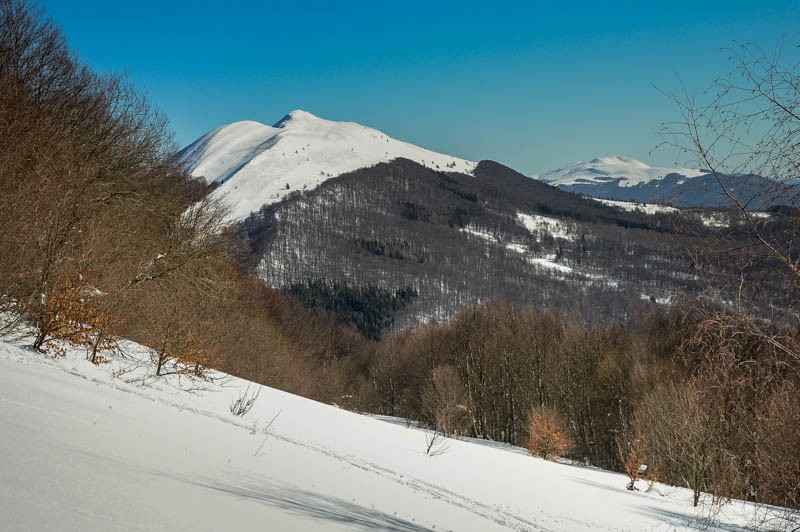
column 629, row 171
column 252, row 164
column 339, row 221
column 623, row 178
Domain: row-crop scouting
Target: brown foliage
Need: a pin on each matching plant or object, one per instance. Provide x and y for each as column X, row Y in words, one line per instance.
column 747, row 367
column 633, row 454
column 68, row 313
column 79, row 154
column 101, row 236
column 549, row 435
column 727, row 415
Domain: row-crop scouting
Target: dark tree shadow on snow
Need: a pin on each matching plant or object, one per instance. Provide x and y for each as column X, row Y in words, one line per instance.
column 307, row 503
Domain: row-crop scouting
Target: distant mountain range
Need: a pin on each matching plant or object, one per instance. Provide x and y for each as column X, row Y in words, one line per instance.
column 388, row 234
column 626, row 179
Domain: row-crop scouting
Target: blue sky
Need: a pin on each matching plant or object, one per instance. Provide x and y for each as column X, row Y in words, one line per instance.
column 532, row 86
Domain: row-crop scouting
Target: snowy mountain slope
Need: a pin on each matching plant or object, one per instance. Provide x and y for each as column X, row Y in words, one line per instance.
column 625, row 171
column 253, row 164
column 84, row 450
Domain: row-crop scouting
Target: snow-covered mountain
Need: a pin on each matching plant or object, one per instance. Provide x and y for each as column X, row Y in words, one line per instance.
column 407, row 220
column 626, row 179
column 255, row 165
column 623, row 171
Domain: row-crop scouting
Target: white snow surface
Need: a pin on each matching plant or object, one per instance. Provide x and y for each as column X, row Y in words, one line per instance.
column 632, row 206
column 110, row 447
column 539, row 225
column 253, row 163
column 550, row 263
column 715, row 219
column 604, row 169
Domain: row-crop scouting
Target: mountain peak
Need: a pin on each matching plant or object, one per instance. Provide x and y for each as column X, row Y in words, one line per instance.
column 254, row 165
column 297, row 115
column 618, row 160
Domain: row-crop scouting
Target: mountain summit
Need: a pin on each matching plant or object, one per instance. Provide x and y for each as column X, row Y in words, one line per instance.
column 253, row 164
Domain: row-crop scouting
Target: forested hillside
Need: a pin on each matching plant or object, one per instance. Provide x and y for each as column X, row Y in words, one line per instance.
column 452, row 239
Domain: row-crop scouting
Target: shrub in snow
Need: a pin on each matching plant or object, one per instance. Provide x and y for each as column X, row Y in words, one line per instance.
column 70, row 312
column 633, row 454
column 549, row 435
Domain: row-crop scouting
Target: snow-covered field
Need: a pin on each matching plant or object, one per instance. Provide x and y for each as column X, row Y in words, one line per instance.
column 111, row 448
column 256, row 165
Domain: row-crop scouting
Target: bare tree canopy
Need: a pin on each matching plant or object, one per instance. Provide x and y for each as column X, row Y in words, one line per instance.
column 748, row 124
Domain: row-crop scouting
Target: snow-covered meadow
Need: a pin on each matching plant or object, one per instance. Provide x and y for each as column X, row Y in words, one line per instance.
column 110, row 447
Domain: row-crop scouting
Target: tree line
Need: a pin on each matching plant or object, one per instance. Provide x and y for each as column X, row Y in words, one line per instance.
column 695, row 392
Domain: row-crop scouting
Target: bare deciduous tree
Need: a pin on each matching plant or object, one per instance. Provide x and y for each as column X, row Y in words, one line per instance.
column 444, row 401
column 748, row 124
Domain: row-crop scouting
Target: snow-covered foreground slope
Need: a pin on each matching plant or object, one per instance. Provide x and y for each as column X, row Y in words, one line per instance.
column 625, row 171
column 253, row 163
column 82, row 450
